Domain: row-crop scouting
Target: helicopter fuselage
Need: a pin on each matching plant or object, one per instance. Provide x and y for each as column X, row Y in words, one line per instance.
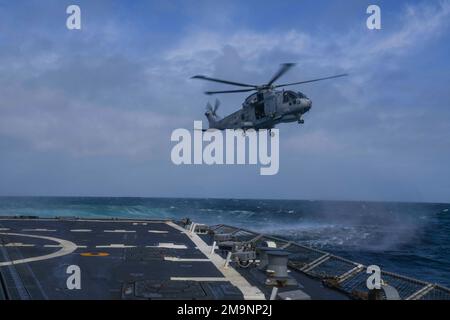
column 264, row 110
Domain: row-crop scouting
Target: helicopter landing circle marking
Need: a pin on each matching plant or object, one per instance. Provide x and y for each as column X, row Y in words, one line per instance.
column 67, row 247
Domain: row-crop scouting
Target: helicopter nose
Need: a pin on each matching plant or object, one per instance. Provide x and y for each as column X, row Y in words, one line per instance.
column 305, row 105
column 308, row 105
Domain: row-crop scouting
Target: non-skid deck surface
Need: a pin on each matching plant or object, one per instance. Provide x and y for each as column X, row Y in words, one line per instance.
column 36, row 253
column 123, row 259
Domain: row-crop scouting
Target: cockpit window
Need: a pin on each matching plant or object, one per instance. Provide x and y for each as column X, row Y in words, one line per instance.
column 251, row 98
column 289, row 96
column 301, row 95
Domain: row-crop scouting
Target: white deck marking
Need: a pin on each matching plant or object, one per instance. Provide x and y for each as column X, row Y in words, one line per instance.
column 168, row 246
column 176, row 259
column 4, row 229
column 67, row 248
column 250, row 292
column 81, row 230
column 38, row 230
column 158, row 231
column 120, row 231
column 17, row 244
column 207, row 279
column 59, row 246
column 89, row 220
column 116, row 246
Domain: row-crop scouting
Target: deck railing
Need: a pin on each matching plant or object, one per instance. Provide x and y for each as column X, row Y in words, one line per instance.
column 337, row 272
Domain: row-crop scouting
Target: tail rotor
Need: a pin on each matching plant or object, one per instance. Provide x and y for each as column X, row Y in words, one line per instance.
column 213, row 110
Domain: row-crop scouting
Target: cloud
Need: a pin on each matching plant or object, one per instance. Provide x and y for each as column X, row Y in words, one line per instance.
column 417, row 25
column 85, row 130
column 120, row 87
column 421, row 23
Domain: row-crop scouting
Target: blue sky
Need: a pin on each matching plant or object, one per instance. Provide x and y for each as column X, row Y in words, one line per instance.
column 90, row 112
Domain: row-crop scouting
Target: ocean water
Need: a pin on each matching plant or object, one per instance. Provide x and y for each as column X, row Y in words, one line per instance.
column 408, row 238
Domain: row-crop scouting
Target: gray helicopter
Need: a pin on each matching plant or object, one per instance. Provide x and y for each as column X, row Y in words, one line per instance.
column 265, row 108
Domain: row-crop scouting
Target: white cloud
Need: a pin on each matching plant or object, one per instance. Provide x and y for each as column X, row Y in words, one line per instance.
column 200, row 49
column 360, row 51
column 421, row 23
column 47, row 120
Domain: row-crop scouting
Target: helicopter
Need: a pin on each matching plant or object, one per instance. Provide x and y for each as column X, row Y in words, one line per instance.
column 266, row 107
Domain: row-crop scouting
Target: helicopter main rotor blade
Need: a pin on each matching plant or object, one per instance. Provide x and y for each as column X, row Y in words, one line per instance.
column 283, row 69
column 314, row 80
column 223, row 81
column 228, row 91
